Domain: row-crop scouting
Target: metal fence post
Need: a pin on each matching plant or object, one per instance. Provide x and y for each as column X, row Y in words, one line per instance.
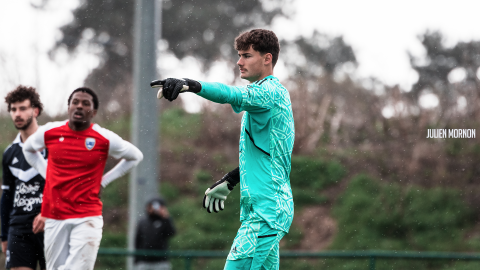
column 188, row 261
column 144, row 124
column 372, row 263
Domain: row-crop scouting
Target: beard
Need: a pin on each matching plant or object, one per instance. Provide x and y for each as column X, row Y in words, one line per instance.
column 26, row 125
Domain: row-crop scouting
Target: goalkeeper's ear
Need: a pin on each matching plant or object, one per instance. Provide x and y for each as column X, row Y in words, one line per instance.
column 267, row 59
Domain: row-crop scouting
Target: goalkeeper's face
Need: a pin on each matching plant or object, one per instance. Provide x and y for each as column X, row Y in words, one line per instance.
column 253, row 65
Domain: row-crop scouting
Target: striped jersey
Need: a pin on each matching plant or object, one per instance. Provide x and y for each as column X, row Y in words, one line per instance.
column 25, row 188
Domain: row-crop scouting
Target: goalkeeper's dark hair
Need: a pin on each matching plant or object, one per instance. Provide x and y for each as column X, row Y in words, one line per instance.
column 88, row 91
column 261, row 40
column 22, row 93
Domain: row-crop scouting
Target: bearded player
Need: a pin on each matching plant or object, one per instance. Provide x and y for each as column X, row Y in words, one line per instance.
column 78, row 151
column 22, row 224
column 266, row 143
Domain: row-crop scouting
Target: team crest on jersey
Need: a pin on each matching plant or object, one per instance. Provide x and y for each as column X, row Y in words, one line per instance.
column 90, row 143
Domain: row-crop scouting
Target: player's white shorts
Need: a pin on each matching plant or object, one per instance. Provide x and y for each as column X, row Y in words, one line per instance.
column 72, row 244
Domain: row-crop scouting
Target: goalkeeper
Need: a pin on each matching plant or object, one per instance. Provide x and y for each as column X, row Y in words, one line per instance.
column 266, row 142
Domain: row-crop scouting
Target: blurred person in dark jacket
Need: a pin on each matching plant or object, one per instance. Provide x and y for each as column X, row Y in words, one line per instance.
column 153, row 233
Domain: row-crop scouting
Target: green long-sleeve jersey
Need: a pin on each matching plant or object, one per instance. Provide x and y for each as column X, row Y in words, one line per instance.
column 266, row 143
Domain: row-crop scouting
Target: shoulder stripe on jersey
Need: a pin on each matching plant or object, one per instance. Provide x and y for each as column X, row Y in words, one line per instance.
column 262, row 81
column 4, row 187
column 22, row 175
column 251, row 139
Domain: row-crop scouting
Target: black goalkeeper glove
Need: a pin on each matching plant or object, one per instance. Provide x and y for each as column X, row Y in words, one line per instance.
column 216, row 195
column 170, row 88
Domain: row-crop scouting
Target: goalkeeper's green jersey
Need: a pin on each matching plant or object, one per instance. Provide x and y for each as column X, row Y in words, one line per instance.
column 266, row 143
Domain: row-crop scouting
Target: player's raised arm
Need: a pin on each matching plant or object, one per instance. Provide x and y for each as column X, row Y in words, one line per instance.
column 216, row 92
column 170, row 88
column 129, row 154
column 31, row 148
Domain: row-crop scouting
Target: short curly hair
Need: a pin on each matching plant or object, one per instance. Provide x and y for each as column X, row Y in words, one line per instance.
column 88, row 91
column 22, row 93
column 261, row 40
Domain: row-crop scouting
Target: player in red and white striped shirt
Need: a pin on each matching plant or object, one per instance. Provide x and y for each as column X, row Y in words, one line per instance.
column 78, row 151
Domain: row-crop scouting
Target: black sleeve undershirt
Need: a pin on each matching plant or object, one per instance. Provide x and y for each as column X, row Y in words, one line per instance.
column 6, row 206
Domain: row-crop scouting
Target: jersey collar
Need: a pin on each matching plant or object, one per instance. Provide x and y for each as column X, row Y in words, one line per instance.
column 18, row 140
column 85, row 130
column 269, row 77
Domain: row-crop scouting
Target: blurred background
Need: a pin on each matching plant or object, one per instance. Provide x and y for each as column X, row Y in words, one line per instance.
column 366, row 79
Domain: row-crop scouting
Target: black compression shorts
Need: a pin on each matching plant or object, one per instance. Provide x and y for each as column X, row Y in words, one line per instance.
column 25, row 250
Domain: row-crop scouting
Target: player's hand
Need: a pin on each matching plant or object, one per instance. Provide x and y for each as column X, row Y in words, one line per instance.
column 172, row 87
column 4, row 247
column 38, row 224
column 215, row 196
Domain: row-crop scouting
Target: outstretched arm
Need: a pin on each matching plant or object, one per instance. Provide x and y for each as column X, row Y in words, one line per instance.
column 216, row 92
column 221, row 93
column 251, row 98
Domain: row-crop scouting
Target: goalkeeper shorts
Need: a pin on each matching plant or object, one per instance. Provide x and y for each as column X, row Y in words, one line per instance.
column 256, row 246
